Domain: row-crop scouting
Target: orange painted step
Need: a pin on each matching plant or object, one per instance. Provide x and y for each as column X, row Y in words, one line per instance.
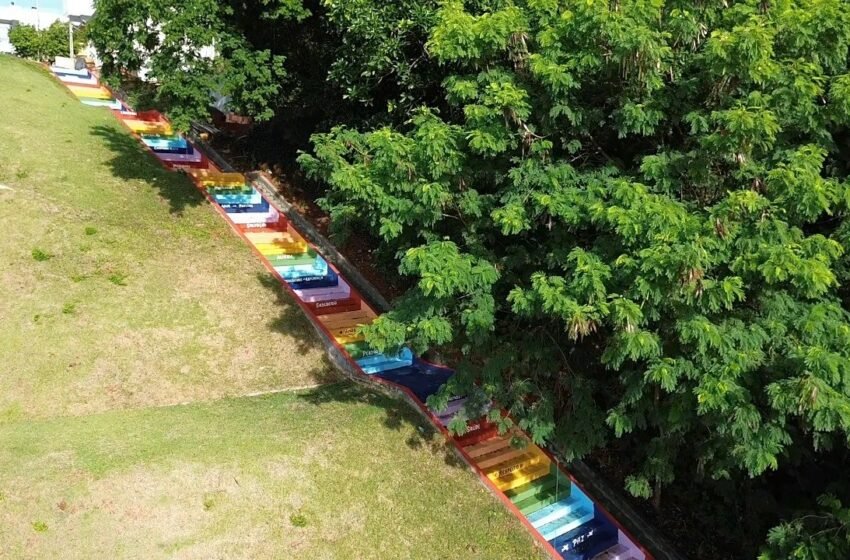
column 490, row 445
column 508, row 463
column 264, row 238
column 362, row 316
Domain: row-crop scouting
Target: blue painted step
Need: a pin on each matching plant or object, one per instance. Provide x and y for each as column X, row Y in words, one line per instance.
column 562, row 517
column 247, row 208
column 422, row 385
column 238, row 199
column 586, row 541
column 381, row 362
column 318, row 281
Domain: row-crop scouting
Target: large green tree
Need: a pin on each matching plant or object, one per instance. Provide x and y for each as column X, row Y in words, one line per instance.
column 193, row 49
column 629, row 218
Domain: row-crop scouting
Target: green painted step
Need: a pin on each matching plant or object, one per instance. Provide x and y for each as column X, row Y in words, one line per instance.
column 539, row 486
column 223, row 191
column 546, row 495
column 296, row 259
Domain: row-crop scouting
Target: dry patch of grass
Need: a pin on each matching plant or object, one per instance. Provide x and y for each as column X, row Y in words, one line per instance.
column 334, row 472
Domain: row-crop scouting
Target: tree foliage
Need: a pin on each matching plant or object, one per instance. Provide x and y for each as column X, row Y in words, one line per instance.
column 630, row 217
column 194, row 48
column 43, row 44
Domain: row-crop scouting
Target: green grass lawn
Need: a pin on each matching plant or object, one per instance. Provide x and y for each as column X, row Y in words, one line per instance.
column 125, row 294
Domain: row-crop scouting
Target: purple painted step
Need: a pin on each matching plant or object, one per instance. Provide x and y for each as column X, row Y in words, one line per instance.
column 195, row 157
column 341, row 291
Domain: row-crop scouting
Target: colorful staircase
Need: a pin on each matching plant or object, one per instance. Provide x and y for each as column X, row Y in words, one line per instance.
column 560, row 514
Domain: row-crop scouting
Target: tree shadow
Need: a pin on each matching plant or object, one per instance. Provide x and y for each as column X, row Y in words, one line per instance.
column 132, row 161
column 399, row 414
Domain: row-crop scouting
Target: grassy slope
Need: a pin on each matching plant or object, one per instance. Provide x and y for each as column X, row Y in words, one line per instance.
column 163, row 305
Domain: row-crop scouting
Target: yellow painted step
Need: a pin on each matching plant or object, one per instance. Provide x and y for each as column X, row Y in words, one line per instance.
column 512, row 462
column 90, row 92
column 282, row 248
column 212, row 179
column 144, row 127
column 289, row 236
column 346, row 335
column 516, row 479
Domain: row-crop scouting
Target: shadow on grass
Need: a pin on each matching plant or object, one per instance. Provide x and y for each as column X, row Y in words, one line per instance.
column 132, row 161
column 398, row 413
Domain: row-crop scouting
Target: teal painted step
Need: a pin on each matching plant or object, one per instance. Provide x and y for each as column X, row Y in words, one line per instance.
column 554, row 520
column 246, row 198
column 547, row 491
column 380, row 362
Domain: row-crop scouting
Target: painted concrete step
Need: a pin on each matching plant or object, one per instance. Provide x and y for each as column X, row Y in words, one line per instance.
column 477, row 431
column 374, row 366
column 510, row 458
column 313, row 295
column 246, row 208
column 193, row 157
column 552, row 489
column 151, row 115
column 145, row 127
column 251, row 198
column 404, row 355
column 329, row 280
column 250, row 218
column 207, row 178
column 278, row 224
column 173, row 142
column 491, row 445
column 557, row 510
column 293, row 259
column 293, row 247
column 335, row 305
column 216, row 191
column 586, row 541
column 272, row 237
column 82, row 80
column 187, row 149
column 362, row 316
column 293, row 273
column 520, row 477
column 619, row 551
column 90, row 92
column 63, row 71
column 184, row 165
column 358, row 350
column 108, row 103
column 576, row 518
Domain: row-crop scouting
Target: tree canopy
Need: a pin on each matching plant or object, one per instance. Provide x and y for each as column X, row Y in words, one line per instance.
column 626, row 220
column 44, row 44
